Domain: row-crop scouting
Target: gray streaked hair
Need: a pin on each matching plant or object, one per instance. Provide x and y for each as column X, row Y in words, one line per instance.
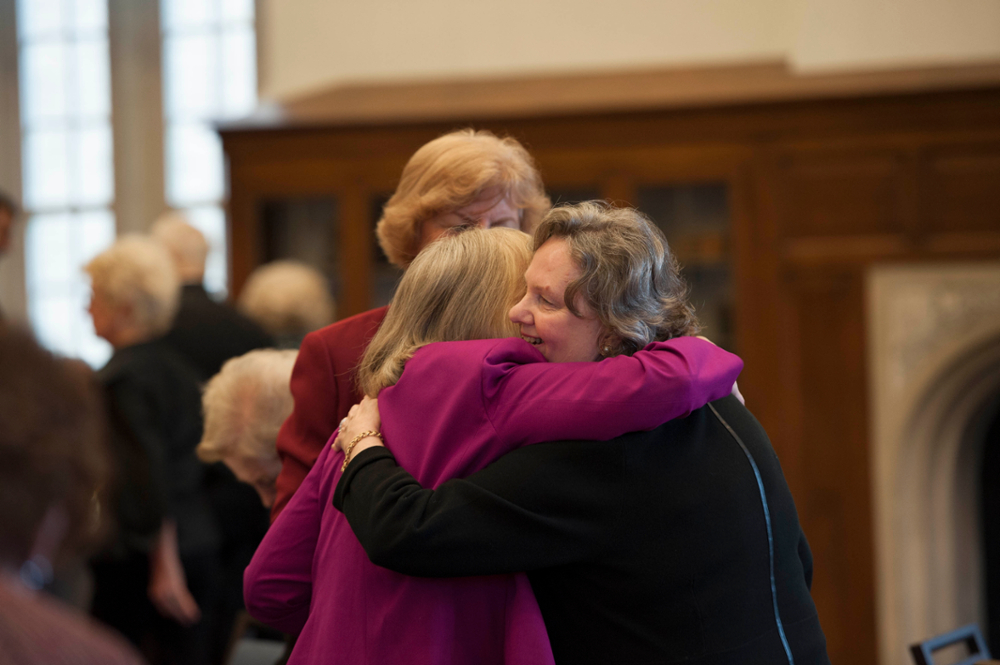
column 245, row 405
column 630, row 279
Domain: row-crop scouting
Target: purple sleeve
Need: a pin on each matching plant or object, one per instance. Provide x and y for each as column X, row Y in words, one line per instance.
column 277, row 585
column 529, row 401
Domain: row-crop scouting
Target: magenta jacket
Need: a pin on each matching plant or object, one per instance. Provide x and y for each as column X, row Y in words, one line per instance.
column 457, row 407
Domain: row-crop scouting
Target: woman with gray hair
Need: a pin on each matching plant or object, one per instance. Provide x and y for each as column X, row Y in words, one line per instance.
column 245, row 405
column 678, row 544
column 163, row 555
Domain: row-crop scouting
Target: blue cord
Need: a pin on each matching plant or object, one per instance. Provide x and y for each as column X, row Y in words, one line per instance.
column 770, row 535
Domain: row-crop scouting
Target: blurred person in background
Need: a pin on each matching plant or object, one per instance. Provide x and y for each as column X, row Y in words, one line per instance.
column 53, row 462
column 160, row 570
column 465, row 178
column 205, row 332
column 245, row 405
column 289, row 300
column 8, row 213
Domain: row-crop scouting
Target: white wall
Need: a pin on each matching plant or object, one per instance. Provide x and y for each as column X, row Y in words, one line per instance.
column 869, row 34
column 315, row 44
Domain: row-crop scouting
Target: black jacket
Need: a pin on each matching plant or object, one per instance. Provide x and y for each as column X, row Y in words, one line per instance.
column 651, row 548
column 207, row 333
column 155, row 416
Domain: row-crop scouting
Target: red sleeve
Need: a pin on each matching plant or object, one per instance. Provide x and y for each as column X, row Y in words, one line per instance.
column 323, row 391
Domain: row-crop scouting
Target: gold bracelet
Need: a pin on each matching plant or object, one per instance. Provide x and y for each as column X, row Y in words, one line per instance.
column 354, row 442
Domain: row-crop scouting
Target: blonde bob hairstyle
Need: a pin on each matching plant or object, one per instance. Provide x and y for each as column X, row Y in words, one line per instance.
column 460, row 287
column 137, row 273
column 451, row 172
column 630, row 278
column 245, row 405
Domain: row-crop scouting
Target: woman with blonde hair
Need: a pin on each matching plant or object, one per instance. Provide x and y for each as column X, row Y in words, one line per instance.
column 457, row 389
column 465, row 178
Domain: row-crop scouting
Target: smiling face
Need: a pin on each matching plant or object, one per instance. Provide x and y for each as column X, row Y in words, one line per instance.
column 545, row 321
column 491, row 209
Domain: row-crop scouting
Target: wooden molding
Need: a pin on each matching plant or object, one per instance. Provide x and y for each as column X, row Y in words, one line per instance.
column 635, row 90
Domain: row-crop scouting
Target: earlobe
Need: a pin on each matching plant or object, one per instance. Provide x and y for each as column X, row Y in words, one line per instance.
column 609, row 344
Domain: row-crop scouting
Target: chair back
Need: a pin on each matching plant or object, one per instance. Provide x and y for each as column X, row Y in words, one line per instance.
column 923, row 651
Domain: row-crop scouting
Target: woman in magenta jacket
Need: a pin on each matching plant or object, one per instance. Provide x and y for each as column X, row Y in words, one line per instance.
column 448, row 410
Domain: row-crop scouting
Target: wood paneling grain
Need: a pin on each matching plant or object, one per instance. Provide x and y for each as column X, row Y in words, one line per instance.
column 829, row 193
column 962, row 189
column 835, row 508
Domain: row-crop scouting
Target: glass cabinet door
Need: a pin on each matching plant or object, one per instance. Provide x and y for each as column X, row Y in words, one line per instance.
column 306, row 230
column 696, row 220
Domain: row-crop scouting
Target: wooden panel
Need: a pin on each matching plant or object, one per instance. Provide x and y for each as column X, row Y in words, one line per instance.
column 834, row 502
column 984, row 245
column 627, row 89
column 962, row 189
column 832, row 193
column 857, row 249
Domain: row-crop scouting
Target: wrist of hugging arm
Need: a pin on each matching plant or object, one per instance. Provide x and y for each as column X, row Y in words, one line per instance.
column 359, row 465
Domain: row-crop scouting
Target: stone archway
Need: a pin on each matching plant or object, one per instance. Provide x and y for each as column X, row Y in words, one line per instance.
column 934, row 345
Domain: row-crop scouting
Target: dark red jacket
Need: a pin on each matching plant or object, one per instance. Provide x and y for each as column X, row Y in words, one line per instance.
column 323, row 387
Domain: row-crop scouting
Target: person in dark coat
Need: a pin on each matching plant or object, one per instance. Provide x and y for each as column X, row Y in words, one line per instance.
column 206, row 334
column 153, row 580
column 677, row 545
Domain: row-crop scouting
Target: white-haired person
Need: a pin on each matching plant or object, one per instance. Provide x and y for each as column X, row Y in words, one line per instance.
column 245, row 405
column 205, row 332
column 288, row 299
column 462, row 179
column 152, row 580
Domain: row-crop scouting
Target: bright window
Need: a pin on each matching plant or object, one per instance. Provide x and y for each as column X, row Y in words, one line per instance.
column 67, row 162
column 209, row 74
